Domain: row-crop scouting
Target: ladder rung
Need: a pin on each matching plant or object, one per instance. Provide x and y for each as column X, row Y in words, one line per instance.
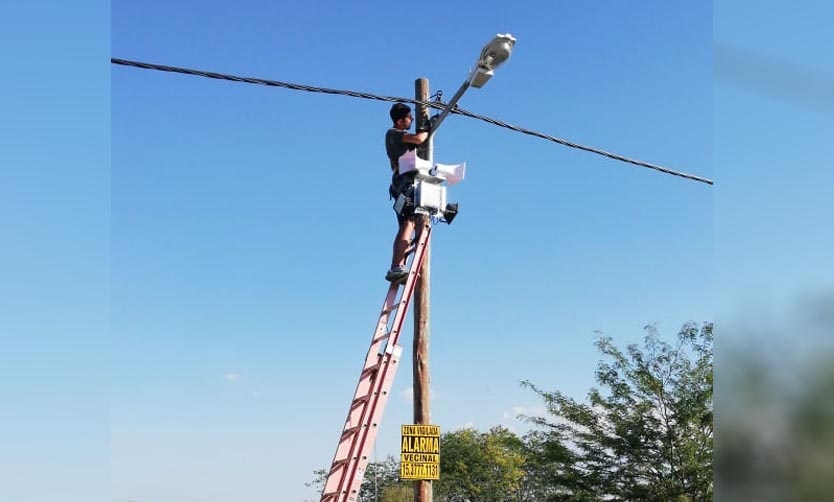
column 360, row 400
column 339, row 463
column 391, row 308
column 371, row 369
column 351, row 430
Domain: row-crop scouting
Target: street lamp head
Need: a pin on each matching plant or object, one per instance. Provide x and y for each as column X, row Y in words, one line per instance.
column 496, row 51
column 493, row 55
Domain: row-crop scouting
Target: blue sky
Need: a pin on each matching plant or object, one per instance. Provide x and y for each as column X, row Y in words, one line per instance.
column 251, row 226
column 774, row 194
column 773, row 126
column 54, row 275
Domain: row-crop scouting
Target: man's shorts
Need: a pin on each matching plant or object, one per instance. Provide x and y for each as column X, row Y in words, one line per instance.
column 402, row 184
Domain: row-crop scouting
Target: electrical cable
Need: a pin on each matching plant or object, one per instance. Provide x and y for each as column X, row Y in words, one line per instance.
column 437, row 104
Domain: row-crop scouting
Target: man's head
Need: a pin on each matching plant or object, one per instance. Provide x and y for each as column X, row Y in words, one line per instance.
column 401, row 115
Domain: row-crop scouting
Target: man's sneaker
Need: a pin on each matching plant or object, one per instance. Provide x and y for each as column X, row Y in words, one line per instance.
column 396, row 274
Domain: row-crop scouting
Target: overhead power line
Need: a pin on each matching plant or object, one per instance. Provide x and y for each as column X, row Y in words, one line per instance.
column 432, row 104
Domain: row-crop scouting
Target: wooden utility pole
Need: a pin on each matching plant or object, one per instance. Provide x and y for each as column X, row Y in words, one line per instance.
column 422, row 382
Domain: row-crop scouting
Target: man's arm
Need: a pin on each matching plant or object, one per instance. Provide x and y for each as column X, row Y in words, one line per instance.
column 415, row 139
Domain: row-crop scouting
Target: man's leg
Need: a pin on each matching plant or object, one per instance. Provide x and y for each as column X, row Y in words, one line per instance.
column 401, row 242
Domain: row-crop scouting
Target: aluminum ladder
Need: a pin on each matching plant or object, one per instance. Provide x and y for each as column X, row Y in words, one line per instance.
column 375, row 380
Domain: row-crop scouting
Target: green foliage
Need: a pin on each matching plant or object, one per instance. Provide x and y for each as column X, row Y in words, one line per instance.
column 383, row 479
column 480, row 467
column 400, row 493
column 777, row 434
column 382, row 482
column 648, row 438
column 644, row 435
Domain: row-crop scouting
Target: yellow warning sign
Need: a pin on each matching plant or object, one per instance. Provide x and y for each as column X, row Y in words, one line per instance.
column 420, row 452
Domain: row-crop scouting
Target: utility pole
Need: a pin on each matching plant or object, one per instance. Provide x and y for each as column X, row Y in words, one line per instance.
column 422, row 382
column 350, row 461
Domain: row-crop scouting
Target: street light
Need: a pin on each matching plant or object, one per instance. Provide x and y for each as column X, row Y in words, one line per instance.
column 429, row 190
column 492, row 56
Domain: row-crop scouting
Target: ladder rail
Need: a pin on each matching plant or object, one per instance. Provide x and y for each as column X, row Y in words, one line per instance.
column 345, row 454
column 372, row 391
column 353, row 455
column 383, row 382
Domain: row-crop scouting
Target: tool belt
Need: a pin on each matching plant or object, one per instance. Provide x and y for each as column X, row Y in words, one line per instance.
column 401, row 184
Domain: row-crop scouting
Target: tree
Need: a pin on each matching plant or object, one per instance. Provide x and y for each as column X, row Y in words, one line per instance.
column 381, row 482
column 777, row 406
column 382, row 479
column 403, row 492
column 480, row 467
column 648, row 438
column 548, row 473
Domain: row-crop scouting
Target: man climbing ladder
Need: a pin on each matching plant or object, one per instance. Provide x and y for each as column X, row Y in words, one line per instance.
column 418, row 188
column 397, row 142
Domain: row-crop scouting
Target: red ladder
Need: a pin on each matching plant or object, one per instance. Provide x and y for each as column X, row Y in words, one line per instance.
column 357, row 440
